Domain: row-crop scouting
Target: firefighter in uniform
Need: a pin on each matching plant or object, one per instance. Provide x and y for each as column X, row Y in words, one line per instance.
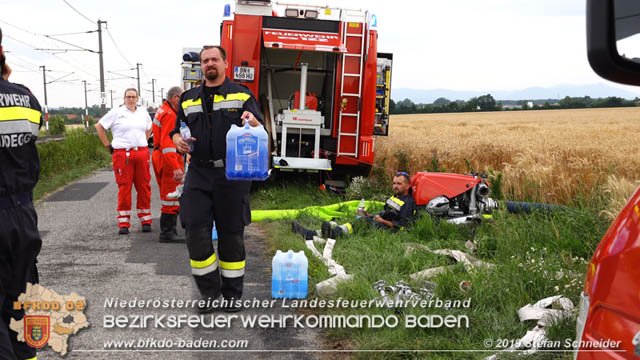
column 20, row 121
column 209, row 110
column 166, row 163
column 397, row 213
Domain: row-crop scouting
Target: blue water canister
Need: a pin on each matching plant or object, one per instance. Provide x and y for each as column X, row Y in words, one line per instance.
column 289, row 277
column 214, row 232
column 247, row 153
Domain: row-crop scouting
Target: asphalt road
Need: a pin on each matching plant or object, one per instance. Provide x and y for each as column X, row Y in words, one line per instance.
column 83, row 253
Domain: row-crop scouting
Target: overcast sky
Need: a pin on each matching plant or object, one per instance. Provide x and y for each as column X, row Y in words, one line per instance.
column 455, row 44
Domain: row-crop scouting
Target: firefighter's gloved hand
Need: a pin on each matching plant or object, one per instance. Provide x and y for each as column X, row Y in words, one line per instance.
column 110, row 149
column 247, row 116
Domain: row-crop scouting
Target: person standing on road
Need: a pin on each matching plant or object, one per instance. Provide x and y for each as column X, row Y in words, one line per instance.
column 130, row 126
column 209, row 110
column 166, row 163
column 20, row 243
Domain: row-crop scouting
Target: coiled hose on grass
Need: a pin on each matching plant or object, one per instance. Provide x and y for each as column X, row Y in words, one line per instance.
column 520, row 207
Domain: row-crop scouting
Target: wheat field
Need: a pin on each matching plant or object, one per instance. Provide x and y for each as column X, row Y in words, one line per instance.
column 550, row 156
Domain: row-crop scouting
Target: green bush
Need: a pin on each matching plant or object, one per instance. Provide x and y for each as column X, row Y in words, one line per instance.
column 77, row 148
column 56, row 125
column 62, row 161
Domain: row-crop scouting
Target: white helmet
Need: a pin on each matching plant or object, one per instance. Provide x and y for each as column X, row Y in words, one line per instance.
column 438, row 206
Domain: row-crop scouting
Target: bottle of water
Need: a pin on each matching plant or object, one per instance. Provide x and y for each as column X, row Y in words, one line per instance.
column 186, row 133
column 361, row 209
column 289, row 275
column 247, row 153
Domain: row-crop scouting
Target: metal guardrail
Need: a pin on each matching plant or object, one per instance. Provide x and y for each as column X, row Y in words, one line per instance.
column 49, row 138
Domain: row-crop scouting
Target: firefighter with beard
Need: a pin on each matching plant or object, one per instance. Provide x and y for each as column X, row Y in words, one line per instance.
column 167, row 165
column 20, row 243
column 209, row 110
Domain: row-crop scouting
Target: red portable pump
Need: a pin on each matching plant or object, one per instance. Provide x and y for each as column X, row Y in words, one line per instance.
column 461, row 198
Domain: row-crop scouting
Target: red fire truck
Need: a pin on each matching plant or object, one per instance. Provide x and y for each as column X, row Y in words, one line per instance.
column 323, row 87
column 608, row 325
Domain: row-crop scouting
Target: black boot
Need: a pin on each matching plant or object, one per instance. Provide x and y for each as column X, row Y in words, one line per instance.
column 326, row 229
column 168, row 233
column 330, row 231
column 306, row 233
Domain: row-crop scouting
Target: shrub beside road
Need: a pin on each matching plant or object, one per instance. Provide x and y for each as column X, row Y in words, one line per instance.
column 64, row 161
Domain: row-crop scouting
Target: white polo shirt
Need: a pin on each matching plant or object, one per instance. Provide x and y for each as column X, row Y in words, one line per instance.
column 127, row 127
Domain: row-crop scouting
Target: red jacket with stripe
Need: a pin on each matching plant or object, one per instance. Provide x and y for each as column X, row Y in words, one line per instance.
column 163, row 123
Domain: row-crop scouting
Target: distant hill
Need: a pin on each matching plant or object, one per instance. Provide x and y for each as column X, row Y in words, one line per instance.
column 419, row 96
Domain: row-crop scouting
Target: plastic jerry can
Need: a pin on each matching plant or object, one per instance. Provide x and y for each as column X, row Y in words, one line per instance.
column 247, row 153
column 289, row 277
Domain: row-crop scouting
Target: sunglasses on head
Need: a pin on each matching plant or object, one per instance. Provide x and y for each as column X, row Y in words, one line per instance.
column 401, row 173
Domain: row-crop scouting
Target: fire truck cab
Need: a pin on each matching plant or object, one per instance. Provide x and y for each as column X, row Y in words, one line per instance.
column 608, row 324
column 323, row 88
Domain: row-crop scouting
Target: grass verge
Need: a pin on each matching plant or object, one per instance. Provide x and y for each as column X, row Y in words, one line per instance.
column 62, row 162
column 536, row 256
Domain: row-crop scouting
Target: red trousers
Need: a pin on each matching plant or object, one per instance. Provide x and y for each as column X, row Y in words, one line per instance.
column 162, row 167
column 132, row 167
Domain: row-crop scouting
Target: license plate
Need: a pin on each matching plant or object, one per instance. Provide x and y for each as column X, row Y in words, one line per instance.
column 243, row 73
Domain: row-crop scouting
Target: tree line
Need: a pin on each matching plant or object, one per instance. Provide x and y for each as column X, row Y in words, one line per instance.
column 95, row 111
column 488, row 103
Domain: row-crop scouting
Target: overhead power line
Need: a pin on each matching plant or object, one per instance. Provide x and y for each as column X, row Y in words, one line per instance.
column 13, row 54
column 19, row 28
column 22, row 42
column 75, row 33
column 60, row 78
column 64, row 42
column 145, row 74
column 47, row 35
column 52, row 52
column 75, row 66
column 26, row 69
column 78, row 66
column 116, row 73
column 79, row 13
column 117, row 48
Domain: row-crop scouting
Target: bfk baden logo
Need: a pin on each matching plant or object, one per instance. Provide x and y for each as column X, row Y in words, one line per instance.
column 50, row 318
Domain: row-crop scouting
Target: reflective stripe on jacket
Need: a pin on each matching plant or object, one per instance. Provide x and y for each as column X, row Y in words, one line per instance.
column 210, row 130
column 20, row 121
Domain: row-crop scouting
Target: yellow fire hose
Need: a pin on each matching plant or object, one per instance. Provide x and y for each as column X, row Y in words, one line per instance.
column 327, row 212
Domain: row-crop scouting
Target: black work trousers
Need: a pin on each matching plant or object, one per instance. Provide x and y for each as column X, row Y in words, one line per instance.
column 20, row 244
column 209, row 196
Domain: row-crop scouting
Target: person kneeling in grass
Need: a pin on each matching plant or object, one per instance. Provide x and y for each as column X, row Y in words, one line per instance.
column 398, row 211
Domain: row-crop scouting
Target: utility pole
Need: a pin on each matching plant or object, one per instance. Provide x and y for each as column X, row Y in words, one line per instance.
column 102, row 94
column 86, row 107
column 153, row 91
column 138, row 70
column 46, row 106
column 161, row 94
column 111, row 91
